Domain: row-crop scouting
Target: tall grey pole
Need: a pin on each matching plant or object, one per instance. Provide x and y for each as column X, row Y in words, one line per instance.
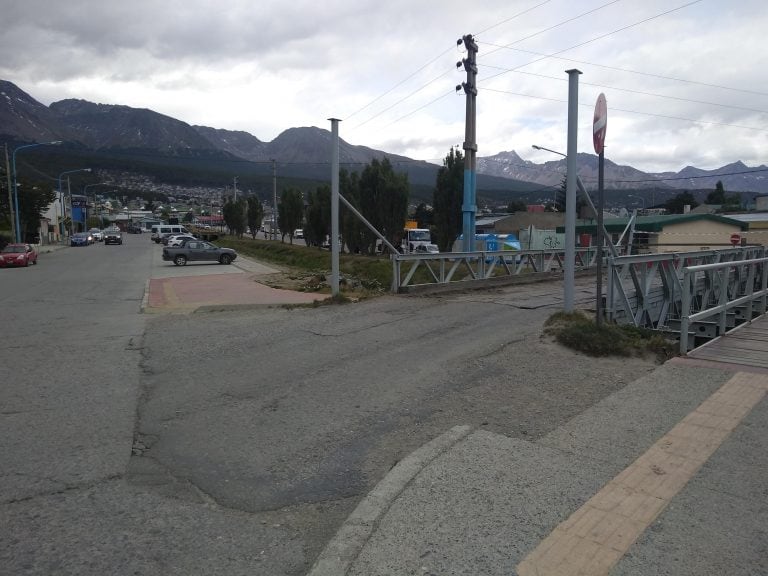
column 600, row 239
column 334, row 206
column 10, row 194
column 570, row 191
column 274, row 200
column 234, row 187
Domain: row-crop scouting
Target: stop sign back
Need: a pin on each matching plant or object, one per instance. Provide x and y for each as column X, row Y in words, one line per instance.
column 599, row 124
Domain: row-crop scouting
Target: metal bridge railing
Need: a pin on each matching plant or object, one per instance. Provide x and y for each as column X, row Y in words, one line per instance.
column 454, row 267
column 727, row 285
column 648, row 290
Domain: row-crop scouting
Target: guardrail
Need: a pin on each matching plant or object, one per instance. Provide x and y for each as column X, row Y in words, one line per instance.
column 455, row 267
column 727, row 285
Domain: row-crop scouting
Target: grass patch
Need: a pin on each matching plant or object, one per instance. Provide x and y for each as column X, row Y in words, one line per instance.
column 310, row 266
column 578, row 331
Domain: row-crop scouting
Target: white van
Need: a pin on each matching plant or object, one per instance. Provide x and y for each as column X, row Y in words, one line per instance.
column 164, row 229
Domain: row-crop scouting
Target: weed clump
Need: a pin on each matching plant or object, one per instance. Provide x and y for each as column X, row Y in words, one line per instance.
column 579, row 332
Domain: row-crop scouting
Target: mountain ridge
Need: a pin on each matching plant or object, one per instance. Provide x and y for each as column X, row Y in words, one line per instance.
column 117, row 127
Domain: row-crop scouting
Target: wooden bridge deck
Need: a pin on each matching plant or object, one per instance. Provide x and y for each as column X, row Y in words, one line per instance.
column 747, row 345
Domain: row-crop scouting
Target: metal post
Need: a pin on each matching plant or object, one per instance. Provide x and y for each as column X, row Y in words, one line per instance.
column 570, row 191
column 274, row 200
column 599, row 283
column 63, row 212
column 334, row 206
column 234, row 187
column 10, row 193
column 469, row 207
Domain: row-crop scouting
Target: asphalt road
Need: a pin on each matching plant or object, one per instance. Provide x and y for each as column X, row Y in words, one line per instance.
column 238, row 442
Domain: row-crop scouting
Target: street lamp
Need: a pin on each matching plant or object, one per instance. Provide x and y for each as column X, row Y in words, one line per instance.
column 61, row 197
column 16, row 186
column 85, row 193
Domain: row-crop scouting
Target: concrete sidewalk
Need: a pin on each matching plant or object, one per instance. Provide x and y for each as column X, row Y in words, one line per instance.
column 206, row 286
column 666, row 476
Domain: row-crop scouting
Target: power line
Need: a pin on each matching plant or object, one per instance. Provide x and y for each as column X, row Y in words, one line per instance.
column 627, row 70
column 431, row 81
column 665, row 116
column 596, row 38
column 553, row 27
column 678, row 98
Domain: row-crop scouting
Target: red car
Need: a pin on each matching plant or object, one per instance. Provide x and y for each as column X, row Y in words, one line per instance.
column 18, row 255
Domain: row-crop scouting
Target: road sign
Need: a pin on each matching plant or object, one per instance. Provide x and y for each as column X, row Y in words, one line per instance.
column 599, row 124
column 735, row 239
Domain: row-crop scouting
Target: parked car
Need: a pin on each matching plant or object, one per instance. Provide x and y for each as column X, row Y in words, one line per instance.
column 178, row 239
column 97, row 234
column 298, row 233
column 80, row 239
column 18, row 255
column 198, row 251
column 113, row 236
column 134, row 229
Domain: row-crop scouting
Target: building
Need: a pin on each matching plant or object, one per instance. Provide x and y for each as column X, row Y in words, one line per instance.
column 669, row 233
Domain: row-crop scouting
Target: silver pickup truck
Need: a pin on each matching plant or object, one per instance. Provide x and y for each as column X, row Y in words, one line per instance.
column 198, row 251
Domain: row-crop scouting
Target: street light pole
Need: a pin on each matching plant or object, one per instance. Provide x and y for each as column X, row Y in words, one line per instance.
column 85, row 193
column 16, row 184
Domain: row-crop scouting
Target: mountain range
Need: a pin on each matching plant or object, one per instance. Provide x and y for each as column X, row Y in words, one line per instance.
column 103, row 128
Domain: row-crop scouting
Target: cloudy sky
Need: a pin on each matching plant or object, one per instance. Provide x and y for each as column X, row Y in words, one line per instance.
column 686, row 81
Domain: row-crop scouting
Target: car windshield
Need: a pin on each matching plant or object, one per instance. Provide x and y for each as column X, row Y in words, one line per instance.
column 14, row 249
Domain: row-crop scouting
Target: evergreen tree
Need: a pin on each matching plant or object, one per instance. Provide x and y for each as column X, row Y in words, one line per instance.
column 317, row 225
column 717, row 196
column 677, row 204
column 254, row 214
column 234, row 216
column 384, row 200
column 290, row 212
column 447, row 199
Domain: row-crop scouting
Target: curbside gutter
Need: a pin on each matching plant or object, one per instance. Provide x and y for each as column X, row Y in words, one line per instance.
column 346, row 545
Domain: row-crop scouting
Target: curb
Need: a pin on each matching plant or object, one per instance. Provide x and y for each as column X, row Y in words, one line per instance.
column 346, row 545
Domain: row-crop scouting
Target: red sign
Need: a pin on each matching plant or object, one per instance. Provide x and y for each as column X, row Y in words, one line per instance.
column 735, row 239
column 599, row 124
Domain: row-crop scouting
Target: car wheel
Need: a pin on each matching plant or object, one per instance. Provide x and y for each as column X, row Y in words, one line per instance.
column 180, row 260
column 225, row 259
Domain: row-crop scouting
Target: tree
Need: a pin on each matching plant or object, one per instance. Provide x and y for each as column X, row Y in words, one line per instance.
column 677, row 204
column 356, row 235
column 424, row 216
column 254, row 214
column 234, row 216
column 318, row 216
column 447, row 199
column 33, row 201
column 717, row 196
column 290, row 212
column 560, row 198
column 188, row 217
column 384, row 200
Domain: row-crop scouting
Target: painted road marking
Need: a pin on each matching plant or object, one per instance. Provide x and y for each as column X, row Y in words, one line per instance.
column 595, row 537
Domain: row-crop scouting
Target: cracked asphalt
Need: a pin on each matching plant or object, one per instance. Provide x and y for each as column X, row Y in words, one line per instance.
column 237, row 442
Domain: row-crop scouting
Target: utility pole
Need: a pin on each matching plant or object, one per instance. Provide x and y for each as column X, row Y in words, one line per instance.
column 274, row 200
column 10, row 193
column 469, row 207
column 569, row 280
column 234, row 187
column 334, row 206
